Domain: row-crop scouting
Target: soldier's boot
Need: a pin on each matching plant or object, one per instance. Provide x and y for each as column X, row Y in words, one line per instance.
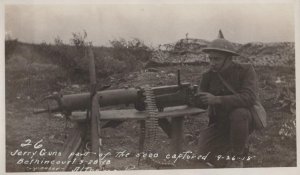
column 235, row 164
column 238, row 162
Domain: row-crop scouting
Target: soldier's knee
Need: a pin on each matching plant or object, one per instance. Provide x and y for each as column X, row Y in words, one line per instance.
column 239, row 114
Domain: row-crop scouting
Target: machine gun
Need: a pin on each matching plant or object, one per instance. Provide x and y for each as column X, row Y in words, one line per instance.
column 165, row 96
column 84, row 108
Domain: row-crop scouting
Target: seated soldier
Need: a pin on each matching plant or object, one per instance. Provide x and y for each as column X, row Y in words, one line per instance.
column 230, row 121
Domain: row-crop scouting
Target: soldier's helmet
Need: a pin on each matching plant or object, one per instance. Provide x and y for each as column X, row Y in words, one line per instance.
column 220, row 45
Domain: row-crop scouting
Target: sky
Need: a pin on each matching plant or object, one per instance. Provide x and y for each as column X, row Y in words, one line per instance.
column 152, row 23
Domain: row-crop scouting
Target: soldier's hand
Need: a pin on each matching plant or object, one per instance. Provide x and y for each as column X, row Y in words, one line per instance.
column 208, row 98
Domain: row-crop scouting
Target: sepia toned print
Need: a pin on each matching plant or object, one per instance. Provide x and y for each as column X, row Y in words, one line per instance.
column 105, row 87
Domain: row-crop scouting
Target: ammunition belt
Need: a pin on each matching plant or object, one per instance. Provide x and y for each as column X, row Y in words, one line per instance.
column 151, row 127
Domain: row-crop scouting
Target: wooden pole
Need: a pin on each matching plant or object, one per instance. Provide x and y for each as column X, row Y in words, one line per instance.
column 177, row 134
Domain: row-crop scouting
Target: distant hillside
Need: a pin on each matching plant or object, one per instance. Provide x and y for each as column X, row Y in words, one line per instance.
column 49, row 67
column 109, row 60
column 273, row 54
column 189, row 51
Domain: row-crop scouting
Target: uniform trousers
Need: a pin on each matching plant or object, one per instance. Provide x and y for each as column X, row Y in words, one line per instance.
column 230, row 137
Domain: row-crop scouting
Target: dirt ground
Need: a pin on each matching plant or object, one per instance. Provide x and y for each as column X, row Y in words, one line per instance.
column 28, row 132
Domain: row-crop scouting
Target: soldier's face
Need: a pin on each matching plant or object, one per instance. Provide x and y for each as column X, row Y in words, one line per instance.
column 216, row 60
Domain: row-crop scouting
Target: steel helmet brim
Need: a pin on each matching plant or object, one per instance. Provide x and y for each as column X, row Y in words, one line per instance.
column 212, row 49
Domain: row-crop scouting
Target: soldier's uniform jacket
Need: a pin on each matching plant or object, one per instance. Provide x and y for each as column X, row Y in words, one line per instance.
column 242, row 79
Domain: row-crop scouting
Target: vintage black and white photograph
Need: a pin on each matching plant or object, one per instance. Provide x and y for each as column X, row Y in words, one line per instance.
column 96, row 86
